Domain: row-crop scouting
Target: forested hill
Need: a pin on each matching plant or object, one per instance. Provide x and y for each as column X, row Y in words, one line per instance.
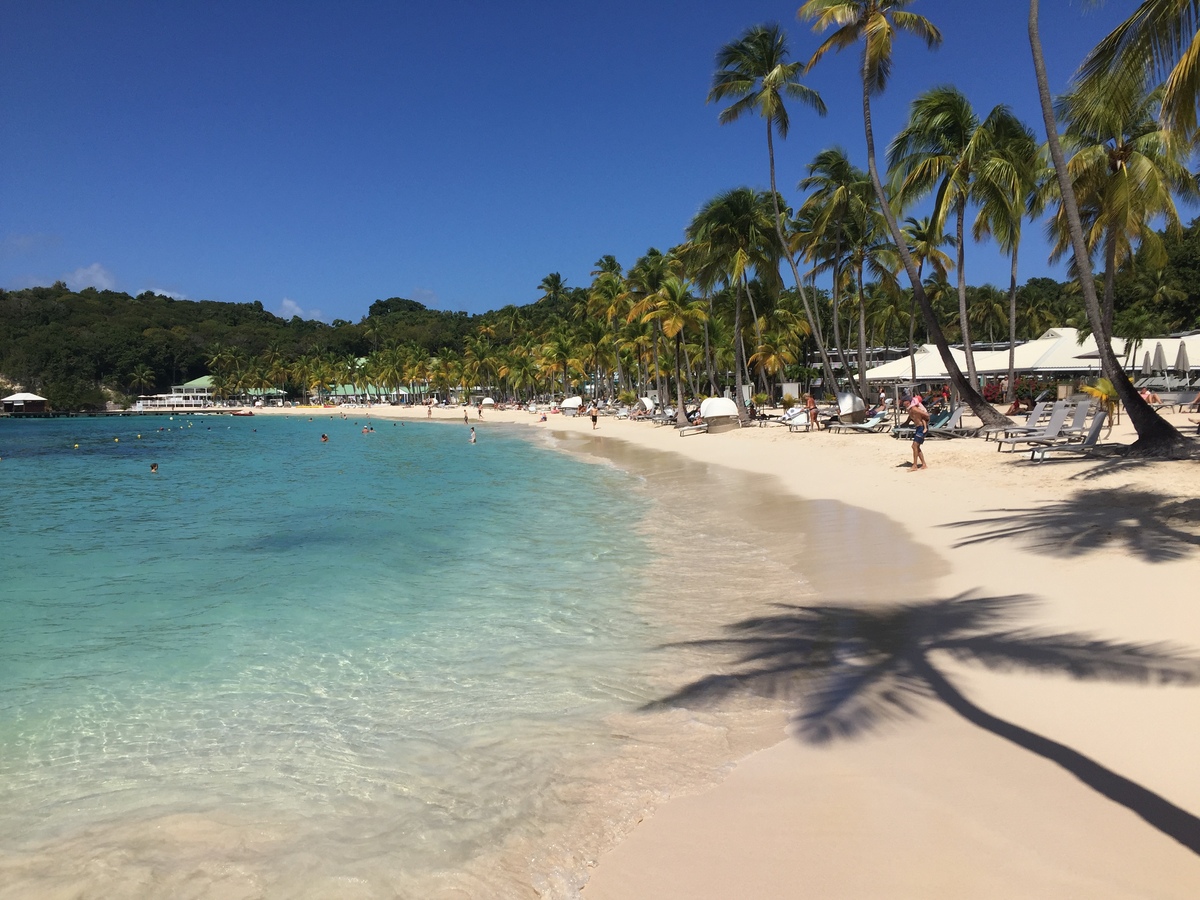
column 66, row 344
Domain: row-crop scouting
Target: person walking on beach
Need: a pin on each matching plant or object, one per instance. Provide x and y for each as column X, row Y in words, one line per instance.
column 472, row 434
column 466, row 418
column 919, row 416
column 429, row 412
column 594, row 413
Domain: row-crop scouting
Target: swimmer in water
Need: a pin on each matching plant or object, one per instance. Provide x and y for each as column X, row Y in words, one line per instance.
column 153, row 468
column 324, row 439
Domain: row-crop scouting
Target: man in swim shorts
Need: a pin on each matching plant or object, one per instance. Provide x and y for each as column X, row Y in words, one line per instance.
column 919, row 416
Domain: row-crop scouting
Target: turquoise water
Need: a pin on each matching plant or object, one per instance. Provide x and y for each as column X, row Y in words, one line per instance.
column 393, row 664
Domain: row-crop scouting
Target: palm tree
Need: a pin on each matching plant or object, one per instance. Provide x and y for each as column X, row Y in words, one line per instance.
column 1124, row 171
column 925, row 244
column 1159, row 38
column 841, row 199
column 1008, row 190
column 875, row 23
column 851, row 669
column 673, row 309
column 142, row 378
column 755, row 73
column 731, row 236
column 1155, row 434
column 942, row 150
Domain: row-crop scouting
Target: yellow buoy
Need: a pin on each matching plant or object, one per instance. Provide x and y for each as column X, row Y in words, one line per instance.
column 116, row 440
column 76, row 446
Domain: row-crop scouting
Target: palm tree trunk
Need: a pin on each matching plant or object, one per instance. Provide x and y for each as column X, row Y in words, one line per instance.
column 862, row 336
column 961, row 217
column 680, row 415
column 1110, row 277
column 970, row 395
column 813, row 321
column 738, row 355
column 1156, row 436
column 1012, row 326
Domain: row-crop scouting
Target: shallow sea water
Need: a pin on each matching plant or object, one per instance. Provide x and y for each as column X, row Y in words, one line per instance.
column 390, row 665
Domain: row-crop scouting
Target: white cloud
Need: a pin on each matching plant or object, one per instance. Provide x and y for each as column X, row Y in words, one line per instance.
column 174, row 295
column 94, row 275
column 289, row 308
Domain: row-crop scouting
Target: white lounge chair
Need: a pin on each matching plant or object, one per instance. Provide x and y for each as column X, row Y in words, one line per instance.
column 1087, row 445
column 1053, row 427
column 876, row 423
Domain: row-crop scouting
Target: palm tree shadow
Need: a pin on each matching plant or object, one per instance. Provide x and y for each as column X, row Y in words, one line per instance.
column 851, row 669
column 1154, row 527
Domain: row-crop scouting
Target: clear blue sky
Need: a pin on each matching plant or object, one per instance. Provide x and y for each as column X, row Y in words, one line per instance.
column 320, row 156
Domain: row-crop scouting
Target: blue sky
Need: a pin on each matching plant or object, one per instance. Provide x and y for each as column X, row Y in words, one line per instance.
column 318, row 156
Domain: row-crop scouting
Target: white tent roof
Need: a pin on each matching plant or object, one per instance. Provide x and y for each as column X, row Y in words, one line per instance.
column 571, row 403
column 21, row 398
column 1058, row 350
column 715, row 407
column 647, row 403
column 929, row 366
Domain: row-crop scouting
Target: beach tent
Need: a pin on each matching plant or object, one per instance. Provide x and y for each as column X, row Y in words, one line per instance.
column 1058, row 350
column 929, row 366
column 647, row 404
column 487, row 401
column 720, row 414
column 23, row 402
column 570, row 406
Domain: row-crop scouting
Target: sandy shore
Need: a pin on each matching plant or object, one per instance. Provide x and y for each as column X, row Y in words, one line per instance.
column 985, row 801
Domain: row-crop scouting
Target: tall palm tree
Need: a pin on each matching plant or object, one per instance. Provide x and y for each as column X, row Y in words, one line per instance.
column 841, row 197
column 1124, row 171
column 1008, row 190
column 875, row 23
column 644, row 280
column 1161, row 37
column 754, row 71
column 674, row 309
column 925, row 244
column 1155, row 434
column 731, row 236
column 942, row 150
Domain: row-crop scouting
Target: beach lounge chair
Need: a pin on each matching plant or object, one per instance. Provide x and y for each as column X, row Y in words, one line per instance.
column 936, row 421
column 1053, row 428
column 1079, row 421
column 1029, row 426
column 1086, row 446
column 802, row 422
column 876, row 423
column 693, row 429
column 952, row 428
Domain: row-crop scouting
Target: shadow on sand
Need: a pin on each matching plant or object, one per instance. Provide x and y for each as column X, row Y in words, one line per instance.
column 849, row 669
column 1151, row 526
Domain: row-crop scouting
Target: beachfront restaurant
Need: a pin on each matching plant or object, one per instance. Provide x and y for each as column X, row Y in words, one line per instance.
column 195, row 394
column 21, row 403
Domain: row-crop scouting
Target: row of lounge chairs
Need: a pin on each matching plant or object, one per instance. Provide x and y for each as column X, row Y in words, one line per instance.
column 1056, row 426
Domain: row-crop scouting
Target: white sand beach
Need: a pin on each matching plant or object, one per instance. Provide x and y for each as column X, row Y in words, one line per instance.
column 931, row 804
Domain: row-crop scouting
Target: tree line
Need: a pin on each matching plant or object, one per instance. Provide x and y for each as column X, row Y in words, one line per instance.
column 716, row 310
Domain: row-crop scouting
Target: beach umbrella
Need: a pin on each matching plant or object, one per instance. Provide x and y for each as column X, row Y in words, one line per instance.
column 1182, row 364
column 1160, row 358
column 1146, row 370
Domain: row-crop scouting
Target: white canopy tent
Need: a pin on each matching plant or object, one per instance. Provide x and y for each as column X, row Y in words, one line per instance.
column 929, row 366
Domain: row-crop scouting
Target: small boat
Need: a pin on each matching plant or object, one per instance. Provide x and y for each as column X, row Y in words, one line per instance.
column 242, row 412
